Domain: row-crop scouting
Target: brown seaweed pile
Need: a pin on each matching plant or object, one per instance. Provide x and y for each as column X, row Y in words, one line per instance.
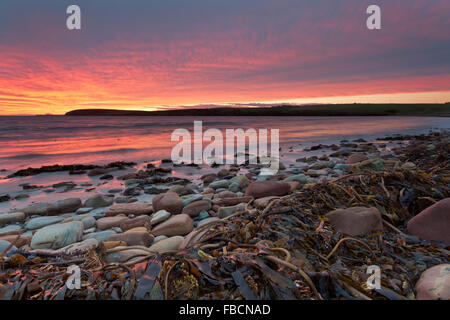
column 286, row 250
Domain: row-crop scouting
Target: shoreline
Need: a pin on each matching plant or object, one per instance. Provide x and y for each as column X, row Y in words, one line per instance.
column 320, row 110
column 236, row 211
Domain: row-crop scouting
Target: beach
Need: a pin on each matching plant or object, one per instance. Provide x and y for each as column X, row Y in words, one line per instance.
column 106, row 197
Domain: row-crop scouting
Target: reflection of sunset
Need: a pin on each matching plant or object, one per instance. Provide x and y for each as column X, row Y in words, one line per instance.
column 80, row 140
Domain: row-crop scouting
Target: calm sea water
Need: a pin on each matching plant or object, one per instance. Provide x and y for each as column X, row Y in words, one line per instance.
column 45, row 140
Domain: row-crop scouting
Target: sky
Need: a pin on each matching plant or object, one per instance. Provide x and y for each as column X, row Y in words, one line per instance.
column 149, row 55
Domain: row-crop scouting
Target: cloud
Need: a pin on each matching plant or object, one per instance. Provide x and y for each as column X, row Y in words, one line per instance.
column 167, row 53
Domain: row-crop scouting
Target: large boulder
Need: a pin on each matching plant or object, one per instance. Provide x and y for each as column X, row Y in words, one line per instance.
column 98, row 201
column 433, row 223
column 138, row 209
column 261, row 189
column 434, row 283
column 57, row 235
column 194, row 208
column 356, row 221
column 169, row 201
column 64, row 206
column 178, row 225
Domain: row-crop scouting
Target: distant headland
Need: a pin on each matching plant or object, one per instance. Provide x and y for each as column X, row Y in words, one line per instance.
column 325, row 110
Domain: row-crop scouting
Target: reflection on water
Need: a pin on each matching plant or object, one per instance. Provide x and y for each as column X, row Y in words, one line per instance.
column 36, row 141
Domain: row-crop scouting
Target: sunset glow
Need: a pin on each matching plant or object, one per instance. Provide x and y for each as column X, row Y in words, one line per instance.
column 137, row 55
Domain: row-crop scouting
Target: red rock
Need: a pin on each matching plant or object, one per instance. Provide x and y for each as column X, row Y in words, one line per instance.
column 142, row 221
column 433, row 223
column 178, row 225
column 137, row 238
column 434, row 283
column 356, row 157
column 226, row 194
column 110, row 222
column 138, row 209
column 261, row 189
column 356, row 220
column 169, row 201
column 194, row 208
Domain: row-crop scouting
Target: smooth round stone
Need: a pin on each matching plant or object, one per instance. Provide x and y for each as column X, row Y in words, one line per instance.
column 178, row 225
column 194, row 208
column 167, row 245
column 84, row 210
column 219, row 184
column 203, row 215
column 188, row 199
column 159, row 238
column 160, row 216
column 57, row 236
column 98, row 213
column 6, row 218
column 207, row 220
column 11, row 227
column 298, row 177
column 99, row 201
column 100, row 236
column 41, row 222
column 88, row 222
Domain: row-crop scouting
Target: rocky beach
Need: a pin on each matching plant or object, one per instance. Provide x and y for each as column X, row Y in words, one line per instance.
column 163, row 231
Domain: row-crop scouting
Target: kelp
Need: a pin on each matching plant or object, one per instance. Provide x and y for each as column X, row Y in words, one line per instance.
column 286, row 251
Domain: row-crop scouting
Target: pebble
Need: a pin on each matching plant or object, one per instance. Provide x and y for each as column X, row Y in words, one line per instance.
column 136, row 209
column 261, row 189
column 64, row 206
column 57, row 235
column 298, row 177
column 433, row 223
column 160, row 216
column 37, row 223
column 356, row 221
column 193, row 209
column 141, row 221
column 167, row 245
column 137, row 238
column 219, row 184
column 169, row 201
column 178, row 225
column 6, row 218
column 227, row 211
column 98, row 201
column 109, row 222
